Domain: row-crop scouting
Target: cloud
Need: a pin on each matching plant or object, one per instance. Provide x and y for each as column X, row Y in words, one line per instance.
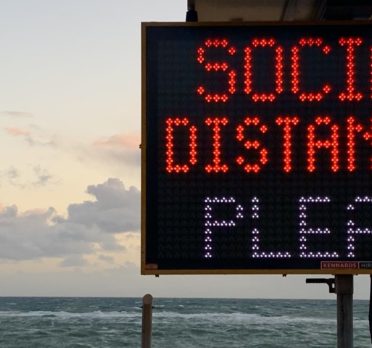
column 105, row 258
column 33, row 235
column 40, row 177
column 12, row 173
column 33, row 136
column 20, row 114
column 73, row 261
column 122, row 148
column 37, row 140
column 17, row 132
column 88, row 226
column 12, row 177
column 127, row 141
column 115, row 209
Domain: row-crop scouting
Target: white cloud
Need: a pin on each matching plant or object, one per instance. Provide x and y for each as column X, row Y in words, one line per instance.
column 41, row 234
column 19, row 114
column 17, row 132
column 121, row 148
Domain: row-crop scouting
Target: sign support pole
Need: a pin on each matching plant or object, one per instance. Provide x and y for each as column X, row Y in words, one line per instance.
column 146, row 321
column 343, row 286
column 344, row 291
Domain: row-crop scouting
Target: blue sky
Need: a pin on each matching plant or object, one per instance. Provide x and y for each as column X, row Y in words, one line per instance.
column 70, row 162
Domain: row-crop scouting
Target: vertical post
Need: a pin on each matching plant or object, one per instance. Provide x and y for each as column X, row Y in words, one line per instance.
column 146, row 321
column 191, row 14
column 344, row 291
column 370, row 308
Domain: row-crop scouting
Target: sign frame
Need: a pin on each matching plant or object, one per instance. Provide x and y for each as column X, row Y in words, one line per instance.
column 334, row 267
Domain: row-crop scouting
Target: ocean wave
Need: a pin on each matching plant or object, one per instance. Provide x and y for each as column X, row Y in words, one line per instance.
column 69, row 315
column 215, row 317
column 239, row 317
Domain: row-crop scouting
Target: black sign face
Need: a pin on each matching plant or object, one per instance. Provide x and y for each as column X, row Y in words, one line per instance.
column 257, row 148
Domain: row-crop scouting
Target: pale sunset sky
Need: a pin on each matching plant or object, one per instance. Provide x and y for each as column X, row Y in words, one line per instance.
column 70, row 121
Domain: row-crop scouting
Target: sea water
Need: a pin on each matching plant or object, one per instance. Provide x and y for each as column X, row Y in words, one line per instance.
column 177, row 323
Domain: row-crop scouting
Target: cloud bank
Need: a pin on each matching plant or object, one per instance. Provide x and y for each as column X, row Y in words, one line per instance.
column 41, row 234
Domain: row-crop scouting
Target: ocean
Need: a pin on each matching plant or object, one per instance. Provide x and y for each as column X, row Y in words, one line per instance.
column 37, row 322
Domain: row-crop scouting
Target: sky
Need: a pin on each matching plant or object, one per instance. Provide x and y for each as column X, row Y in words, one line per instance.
column 70, row 111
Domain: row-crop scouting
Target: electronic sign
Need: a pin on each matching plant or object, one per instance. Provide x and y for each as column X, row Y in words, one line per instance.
column 256, row 148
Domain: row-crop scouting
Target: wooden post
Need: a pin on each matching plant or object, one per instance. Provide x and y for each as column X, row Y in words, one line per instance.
column 370, row 308
column 146, row 321
column 344, row 291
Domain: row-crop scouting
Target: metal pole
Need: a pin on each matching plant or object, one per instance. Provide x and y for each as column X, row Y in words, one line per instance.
column 344, row 291
column 146, row 321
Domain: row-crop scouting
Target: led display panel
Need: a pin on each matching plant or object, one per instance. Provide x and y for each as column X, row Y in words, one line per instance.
column 256, row 148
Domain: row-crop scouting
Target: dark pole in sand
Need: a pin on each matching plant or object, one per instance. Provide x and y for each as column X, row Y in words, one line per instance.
column 146, row 321
column 344, row 291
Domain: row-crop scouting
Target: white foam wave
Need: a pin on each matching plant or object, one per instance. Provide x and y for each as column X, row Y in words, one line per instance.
column 233, row 318
column 239, row 317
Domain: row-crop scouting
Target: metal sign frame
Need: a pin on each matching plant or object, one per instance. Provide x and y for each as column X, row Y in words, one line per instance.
column 338, row 267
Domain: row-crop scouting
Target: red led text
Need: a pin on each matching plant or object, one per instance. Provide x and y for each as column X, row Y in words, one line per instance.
column 254, row 154
column 348, row 50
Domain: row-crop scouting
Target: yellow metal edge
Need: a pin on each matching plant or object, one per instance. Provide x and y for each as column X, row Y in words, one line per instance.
column 143, row 147
column 254, row 271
